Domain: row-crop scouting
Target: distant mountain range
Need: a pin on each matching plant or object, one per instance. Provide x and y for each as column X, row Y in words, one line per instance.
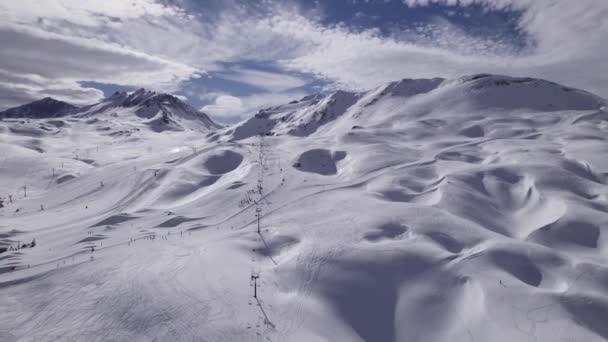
column 160, row 111
column 402, row 102
column 303, row 117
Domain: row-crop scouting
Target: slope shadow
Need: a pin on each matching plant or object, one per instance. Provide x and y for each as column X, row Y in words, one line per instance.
column 518, row 265
column 176, row 221
column 588, row 312
column 366, row 291
column 114, row 219
column 386, row 231
column 446, row 241
column 564, row 232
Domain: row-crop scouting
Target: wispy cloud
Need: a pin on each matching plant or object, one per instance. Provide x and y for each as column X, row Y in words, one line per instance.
column 52, row 45
column 38, row 63
column 271, row 81
column 567, row 46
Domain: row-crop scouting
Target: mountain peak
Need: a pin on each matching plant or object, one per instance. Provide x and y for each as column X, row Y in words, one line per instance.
column 47, row 107
column 160, row 111
column 409, row 87
column 143, row 92
column 508, row 92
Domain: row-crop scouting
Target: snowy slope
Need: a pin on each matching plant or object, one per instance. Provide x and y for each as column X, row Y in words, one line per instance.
column 473, row 209
column 407, row 100
column 305, row 116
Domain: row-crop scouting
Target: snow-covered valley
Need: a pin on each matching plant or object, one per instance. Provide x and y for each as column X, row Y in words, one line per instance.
column 473, row 209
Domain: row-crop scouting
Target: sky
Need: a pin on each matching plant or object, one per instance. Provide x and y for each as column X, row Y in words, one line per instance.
column 230, row 58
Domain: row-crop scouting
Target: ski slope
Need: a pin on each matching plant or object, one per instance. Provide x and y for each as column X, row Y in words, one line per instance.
column 472, row 209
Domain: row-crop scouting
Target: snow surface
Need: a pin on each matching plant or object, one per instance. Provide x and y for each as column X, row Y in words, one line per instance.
column 425, row 210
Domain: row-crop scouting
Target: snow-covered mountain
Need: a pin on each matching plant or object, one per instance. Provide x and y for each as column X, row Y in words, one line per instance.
column 159, row 111
column 406, row 100
column 473, row 209
column 47, row 107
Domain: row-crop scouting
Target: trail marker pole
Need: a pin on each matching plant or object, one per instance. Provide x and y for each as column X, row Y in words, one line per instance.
column 258, row 215
column 255, row 277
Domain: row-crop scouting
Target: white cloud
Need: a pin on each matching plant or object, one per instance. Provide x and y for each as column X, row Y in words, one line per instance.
column 231, row 108
column 139, row 43
column 53, row 44
column 224, row 106
column 206, row 96
column 496, row 4
column 263, row 79
column 255, row 102
column 568, row 46
column 181, row 97
column 16, row 89
column 39, row 63
column 87, row 13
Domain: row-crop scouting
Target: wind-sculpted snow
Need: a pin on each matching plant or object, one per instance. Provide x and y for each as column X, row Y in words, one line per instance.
column 473, row 209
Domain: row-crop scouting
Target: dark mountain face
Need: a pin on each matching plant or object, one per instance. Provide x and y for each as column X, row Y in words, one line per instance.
column 142, row 97
column 46, row 108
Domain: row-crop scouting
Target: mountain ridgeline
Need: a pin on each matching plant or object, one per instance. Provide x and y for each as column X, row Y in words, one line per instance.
column 399, row 103
column 45, row 108
column 394, row 102
column 159, row 111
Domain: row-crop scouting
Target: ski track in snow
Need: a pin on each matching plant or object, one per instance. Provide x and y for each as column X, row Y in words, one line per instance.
column 465, row 210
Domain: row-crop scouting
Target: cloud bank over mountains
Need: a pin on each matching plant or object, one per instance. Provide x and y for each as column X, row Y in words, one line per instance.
column 243, row 51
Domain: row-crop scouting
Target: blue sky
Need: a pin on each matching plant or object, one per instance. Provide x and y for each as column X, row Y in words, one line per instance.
column 391, row 19
column 230, row 57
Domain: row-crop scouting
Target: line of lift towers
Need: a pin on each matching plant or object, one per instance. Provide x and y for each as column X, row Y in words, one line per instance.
column 258, row 210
